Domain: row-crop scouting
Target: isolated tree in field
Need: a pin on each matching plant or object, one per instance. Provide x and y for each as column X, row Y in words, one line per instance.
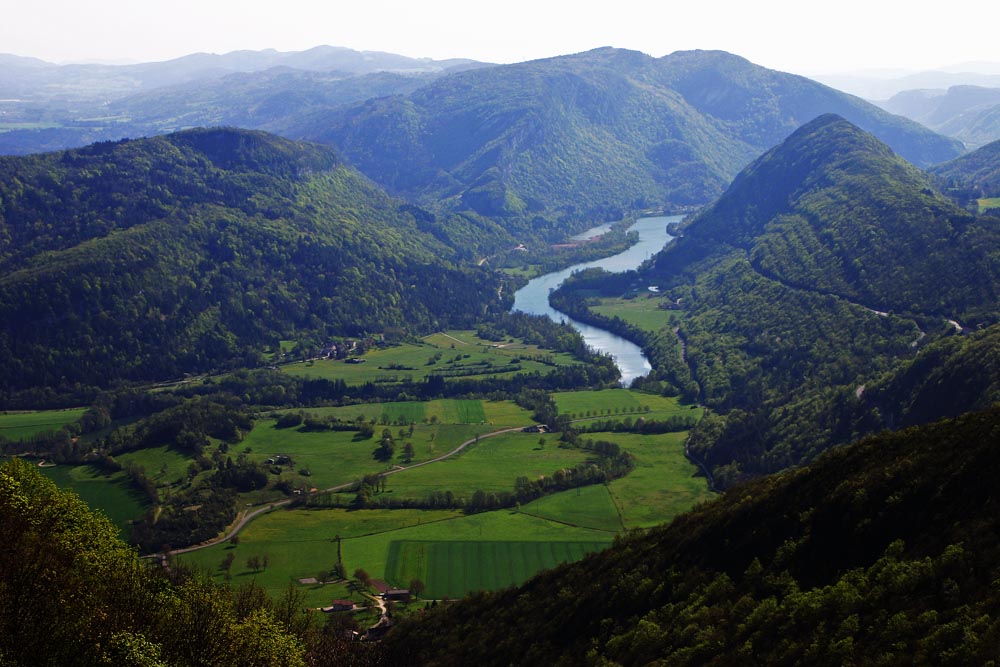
column 253, row 563
column 235, row 540
column 361, row 576
column 265, row 561
column 408, row 451
column 417, row 587
column 227, row 564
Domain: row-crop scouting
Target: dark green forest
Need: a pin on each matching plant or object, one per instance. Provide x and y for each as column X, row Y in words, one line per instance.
column 143, row 260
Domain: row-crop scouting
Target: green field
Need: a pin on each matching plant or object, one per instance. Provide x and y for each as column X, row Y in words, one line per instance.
column 452, row 569
column 333, row 458
column 112, row 496
column 663, row 484
column 490, row 465
column 988, row 203
column 452, row 354
column 643, row 311
column 20, row 425
column 442, row 411
column 302, row 543
column 586, row 507
column 612, row 402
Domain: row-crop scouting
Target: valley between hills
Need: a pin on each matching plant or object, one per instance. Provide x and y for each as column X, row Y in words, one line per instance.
column 265, row 399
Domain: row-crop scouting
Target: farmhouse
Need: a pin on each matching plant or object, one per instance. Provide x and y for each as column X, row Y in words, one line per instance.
column 402, row 594
column 540, row 428
column 340, row 605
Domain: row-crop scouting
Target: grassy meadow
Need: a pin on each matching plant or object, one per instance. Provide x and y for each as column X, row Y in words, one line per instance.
column 642, row 311
column 111, row 495
column 452, row 354
column 489, row 465
column 21, row 425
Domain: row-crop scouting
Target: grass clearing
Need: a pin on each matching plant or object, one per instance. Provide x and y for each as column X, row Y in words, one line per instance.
column 612, row 402
column 452, row 354
column 441, row 411
column 113, row 496
column 21, row 425
column 664, row 482
column 988, row 203
column 490, row 465
column 585, row 507
column 642, row 311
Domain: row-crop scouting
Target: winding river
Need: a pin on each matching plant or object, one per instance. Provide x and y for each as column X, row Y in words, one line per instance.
column 534, row 297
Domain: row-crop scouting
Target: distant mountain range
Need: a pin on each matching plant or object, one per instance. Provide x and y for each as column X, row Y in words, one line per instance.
column 593, row 134
column 883, row 85
column 968, row 113
column 33, row 80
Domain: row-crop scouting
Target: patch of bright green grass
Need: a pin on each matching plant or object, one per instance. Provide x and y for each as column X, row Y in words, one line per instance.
column 493, row 464
column 302, row 543
column 112, row 496
column 585, row 507
column 21, row 425
column 454, row 568
column 988, row 203
column 664, row 482
column 617, row 402
column 643, row 311
column 441, row 411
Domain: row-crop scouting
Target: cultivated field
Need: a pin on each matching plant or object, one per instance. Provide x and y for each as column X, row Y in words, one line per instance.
column 618, row 402
column 452, row 569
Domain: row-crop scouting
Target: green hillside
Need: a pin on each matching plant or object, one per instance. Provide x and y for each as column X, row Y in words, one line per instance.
column 146, row 259
column 592, row 134
column 973, row 175
column 884, row 553
column 828, row 263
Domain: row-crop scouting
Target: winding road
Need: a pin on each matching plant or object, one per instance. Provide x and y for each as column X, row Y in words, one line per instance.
column 250, row 516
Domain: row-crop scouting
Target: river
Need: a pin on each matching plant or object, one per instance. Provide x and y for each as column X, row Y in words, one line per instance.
column 534, row 297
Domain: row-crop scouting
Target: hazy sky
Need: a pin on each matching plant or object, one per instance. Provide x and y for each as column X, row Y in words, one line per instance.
column 790, row 35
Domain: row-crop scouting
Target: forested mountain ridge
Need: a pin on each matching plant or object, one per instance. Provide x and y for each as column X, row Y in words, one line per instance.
column 833, row 210
column 592, row 134
column 828, row 263
column 883, row 552
column 146, row 259
column 973, row 175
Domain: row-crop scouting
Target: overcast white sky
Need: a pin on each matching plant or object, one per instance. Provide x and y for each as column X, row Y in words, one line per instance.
column 790, row 35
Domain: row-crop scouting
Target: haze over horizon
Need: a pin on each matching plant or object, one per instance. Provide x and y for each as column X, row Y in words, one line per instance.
column 775, row 33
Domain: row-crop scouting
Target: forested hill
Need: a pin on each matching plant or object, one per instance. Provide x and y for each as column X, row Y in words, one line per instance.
column 885, row 552
column 592, row 134
column 974, row 175
column 147, row 259
column 828, row 263
column 834, row 210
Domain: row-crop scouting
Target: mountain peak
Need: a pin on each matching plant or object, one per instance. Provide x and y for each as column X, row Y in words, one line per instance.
column 238, row 150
